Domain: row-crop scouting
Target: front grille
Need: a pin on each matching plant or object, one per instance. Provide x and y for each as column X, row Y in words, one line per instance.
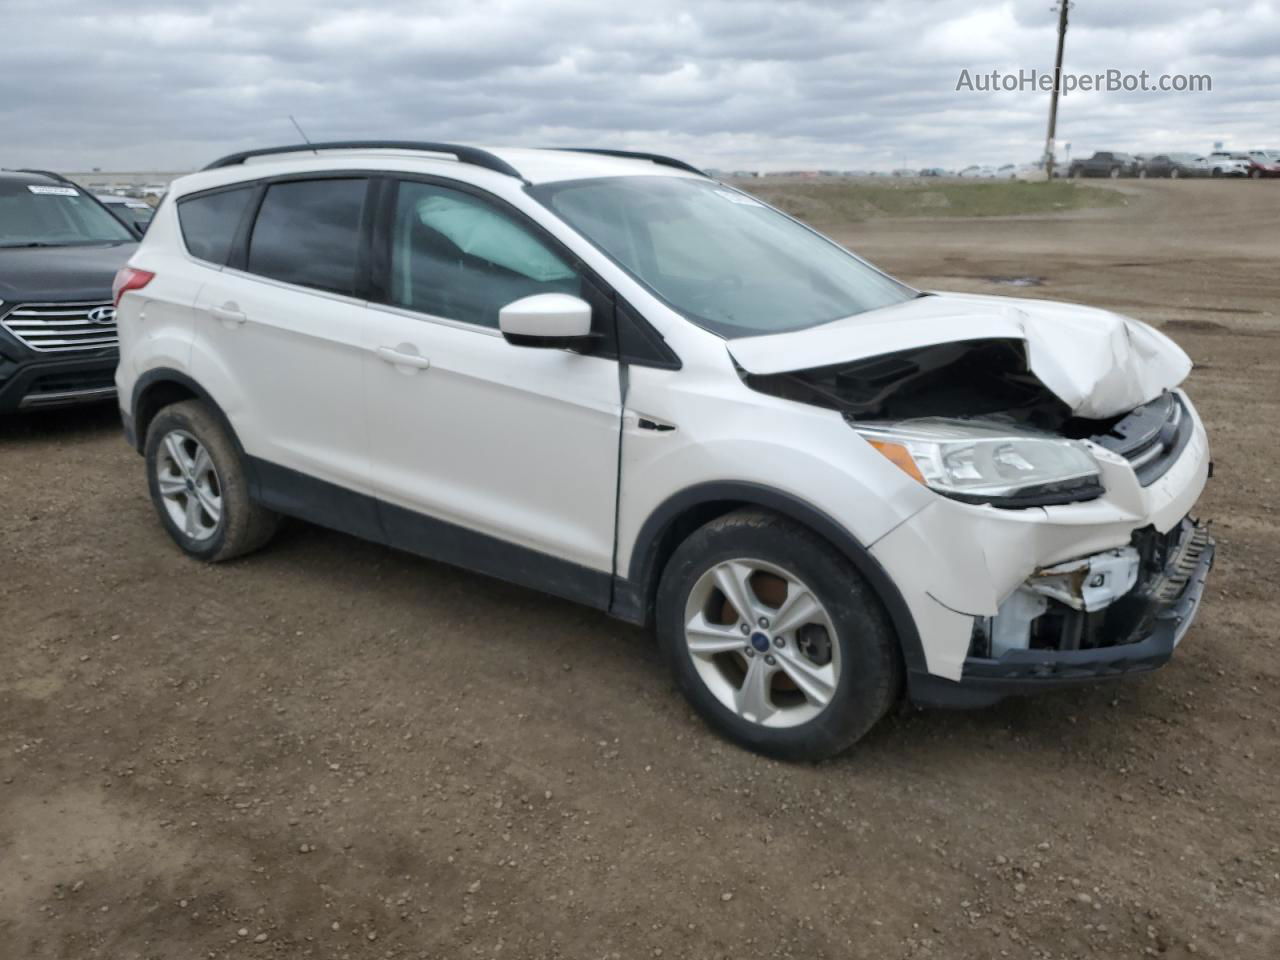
column 58, row 327
column 1151, row 437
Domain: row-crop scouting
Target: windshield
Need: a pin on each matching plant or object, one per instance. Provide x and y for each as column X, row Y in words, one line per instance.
column 54, row 215
column 724, row 260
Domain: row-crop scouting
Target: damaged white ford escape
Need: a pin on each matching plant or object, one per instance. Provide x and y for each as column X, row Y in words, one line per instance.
column 610, row 377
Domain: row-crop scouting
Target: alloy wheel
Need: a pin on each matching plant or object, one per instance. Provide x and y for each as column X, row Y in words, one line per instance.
column 762, row 642
column 189, row 486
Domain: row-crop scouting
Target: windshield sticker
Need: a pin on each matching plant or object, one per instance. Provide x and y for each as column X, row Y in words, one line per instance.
column 41, row 189
column 738, row 198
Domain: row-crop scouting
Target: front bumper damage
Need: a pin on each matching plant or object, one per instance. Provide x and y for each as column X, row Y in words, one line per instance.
column 1022, row 600
column 1114, row 614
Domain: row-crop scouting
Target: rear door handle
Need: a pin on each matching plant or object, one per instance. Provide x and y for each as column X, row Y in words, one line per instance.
column 398, row 358
column 229, row 314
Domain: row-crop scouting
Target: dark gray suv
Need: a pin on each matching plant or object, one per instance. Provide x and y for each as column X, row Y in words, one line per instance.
column 59, row 251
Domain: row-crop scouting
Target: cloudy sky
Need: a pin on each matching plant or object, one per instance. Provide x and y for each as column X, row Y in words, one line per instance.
column 155, row 85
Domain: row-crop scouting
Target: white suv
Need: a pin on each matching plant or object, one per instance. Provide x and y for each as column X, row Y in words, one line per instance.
column 617, row 380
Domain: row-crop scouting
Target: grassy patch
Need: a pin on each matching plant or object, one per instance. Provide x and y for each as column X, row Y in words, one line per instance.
column 840, row 201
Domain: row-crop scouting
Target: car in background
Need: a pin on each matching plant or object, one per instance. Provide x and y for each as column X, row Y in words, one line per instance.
column 1262, row 163
column 136, row 213
column 977, row 172
column 1105, row 163
column 1029, row 171
column 1175, row 165
column 60, row 248
column 1224, row 163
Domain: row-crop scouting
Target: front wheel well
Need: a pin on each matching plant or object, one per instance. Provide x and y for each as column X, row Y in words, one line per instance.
column 676, row 519
column 651, row 554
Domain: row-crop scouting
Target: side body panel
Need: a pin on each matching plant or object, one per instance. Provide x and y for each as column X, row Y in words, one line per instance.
column 508, row 441
column 284, row 362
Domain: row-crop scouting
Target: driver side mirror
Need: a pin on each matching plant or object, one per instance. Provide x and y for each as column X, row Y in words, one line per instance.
column 546, row 320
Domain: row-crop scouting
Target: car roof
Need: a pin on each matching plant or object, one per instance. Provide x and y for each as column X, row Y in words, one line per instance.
column 532, row 165
column 29, row 176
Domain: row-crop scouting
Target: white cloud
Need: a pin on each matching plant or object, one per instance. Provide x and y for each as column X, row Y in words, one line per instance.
column 155, row 84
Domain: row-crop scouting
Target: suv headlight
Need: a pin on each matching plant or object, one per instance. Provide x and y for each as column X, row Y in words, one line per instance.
column 986, row 461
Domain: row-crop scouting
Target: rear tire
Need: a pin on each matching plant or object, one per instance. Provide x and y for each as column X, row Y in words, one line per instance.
column 824, row 671
column 200, row 487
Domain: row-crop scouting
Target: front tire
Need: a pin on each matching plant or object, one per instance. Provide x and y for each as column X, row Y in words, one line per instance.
column 199, row 485
column 775, row 638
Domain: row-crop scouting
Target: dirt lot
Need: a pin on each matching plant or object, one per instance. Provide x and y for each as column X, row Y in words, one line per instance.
column 332, row 750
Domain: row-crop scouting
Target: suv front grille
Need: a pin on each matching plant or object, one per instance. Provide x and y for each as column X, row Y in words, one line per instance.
column 54, row 327
column 1151, row 437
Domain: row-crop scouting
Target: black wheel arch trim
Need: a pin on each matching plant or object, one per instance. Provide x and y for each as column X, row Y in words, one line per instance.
column 643, row 570
column 161, row 375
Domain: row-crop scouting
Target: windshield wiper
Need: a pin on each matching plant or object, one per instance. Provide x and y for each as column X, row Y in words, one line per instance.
column 33, row 243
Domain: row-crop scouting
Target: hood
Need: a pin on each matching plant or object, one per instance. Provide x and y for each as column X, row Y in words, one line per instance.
column 55, row 274
column 1099, row 364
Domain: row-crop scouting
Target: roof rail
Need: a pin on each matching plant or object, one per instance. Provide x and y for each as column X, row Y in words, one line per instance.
column 463, row 154
column 635, row 155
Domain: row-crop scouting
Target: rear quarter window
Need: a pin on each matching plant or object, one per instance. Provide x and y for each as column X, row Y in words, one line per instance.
column 308, row 233
column 209, row 222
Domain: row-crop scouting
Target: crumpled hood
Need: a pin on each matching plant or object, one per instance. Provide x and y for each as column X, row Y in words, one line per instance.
column 1099, row 363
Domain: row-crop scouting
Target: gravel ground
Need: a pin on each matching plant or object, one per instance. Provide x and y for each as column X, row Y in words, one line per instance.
column 333, row 750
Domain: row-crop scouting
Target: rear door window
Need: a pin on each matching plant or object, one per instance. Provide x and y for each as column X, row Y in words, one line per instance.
column 308, row 232
column 209, row 222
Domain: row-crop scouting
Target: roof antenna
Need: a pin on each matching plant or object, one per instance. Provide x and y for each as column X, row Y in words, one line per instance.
column 305, row 138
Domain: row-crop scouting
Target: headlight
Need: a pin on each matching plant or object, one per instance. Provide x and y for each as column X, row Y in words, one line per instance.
column 985, row 461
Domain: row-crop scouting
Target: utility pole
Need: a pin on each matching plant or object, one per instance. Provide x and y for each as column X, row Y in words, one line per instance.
column 1063, row 7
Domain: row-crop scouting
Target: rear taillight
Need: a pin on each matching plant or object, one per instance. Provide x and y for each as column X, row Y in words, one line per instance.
column 129, row 278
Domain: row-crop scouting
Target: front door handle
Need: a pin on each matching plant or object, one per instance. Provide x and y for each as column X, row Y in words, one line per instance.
column 397, row 357
column 230, row 314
